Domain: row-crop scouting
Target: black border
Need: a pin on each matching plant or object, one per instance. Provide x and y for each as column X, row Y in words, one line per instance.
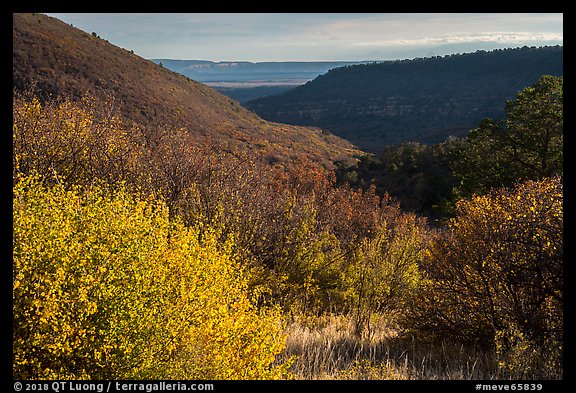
column 219, row 386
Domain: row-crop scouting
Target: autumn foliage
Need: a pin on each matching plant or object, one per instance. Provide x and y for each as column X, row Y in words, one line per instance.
column 495, row 277
column 107, row 286
column 146, row 242
column 155, row 255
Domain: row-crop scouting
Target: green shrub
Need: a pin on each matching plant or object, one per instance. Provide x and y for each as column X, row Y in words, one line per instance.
column 384, row 271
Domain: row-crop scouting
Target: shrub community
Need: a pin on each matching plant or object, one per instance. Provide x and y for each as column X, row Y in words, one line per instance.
column 106, row 286
column 153, row 256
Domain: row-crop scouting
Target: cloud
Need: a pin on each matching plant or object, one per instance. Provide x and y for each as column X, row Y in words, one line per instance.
column 496, row 37
column 309, row 36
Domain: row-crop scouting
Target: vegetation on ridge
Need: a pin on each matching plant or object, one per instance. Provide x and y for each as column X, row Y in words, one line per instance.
column 57, row 60
column 421, row 100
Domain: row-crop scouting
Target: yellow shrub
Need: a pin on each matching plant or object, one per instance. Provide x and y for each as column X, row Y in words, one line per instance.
column 495, row 277
column 78, row 140
column 106, row 286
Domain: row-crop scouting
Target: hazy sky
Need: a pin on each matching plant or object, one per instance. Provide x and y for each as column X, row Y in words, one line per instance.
column 315, row 36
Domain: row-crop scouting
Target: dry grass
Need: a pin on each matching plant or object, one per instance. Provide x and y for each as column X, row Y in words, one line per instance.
column 327, row 348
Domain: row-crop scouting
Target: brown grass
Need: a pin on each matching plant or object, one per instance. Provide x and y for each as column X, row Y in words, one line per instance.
column 327, row 348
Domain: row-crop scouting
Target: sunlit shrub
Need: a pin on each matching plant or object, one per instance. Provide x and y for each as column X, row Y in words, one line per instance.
column 80, row 141
column 495, row 277
column 105, row 285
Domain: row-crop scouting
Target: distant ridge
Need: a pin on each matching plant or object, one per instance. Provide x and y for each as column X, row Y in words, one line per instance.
column 235, row 71
column 424, row 99
column 244, row 81
column 60, row 60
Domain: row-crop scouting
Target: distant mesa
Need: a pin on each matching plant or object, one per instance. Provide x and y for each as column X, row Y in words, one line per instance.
column 245, row 81
column 244, row 71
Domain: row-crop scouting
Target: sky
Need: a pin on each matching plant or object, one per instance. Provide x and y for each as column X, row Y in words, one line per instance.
column 317, row 36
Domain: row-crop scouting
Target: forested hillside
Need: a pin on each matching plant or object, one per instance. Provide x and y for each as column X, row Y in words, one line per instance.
column 421, row 100
column 428, row 179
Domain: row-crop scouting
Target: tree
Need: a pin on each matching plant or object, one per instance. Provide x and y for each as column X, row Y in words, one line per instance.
column 533, row 132
column 526, row 145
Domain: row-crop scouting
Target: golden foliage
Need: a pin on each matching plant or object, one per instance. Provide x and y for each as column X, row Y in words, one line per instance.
column 496, row 275
column 144, row 256
column 78, row 141
column 106, row 286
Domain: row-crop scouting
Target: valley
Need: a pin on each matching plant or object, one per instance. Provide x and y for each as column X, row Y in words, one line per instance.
column 245, row 81
column 426, row 100
column 382, row 221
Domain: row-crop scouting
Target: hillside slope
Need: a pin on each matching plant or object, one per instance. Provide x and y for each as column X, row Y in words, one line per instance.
column 60, row 60
column 424, row 100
